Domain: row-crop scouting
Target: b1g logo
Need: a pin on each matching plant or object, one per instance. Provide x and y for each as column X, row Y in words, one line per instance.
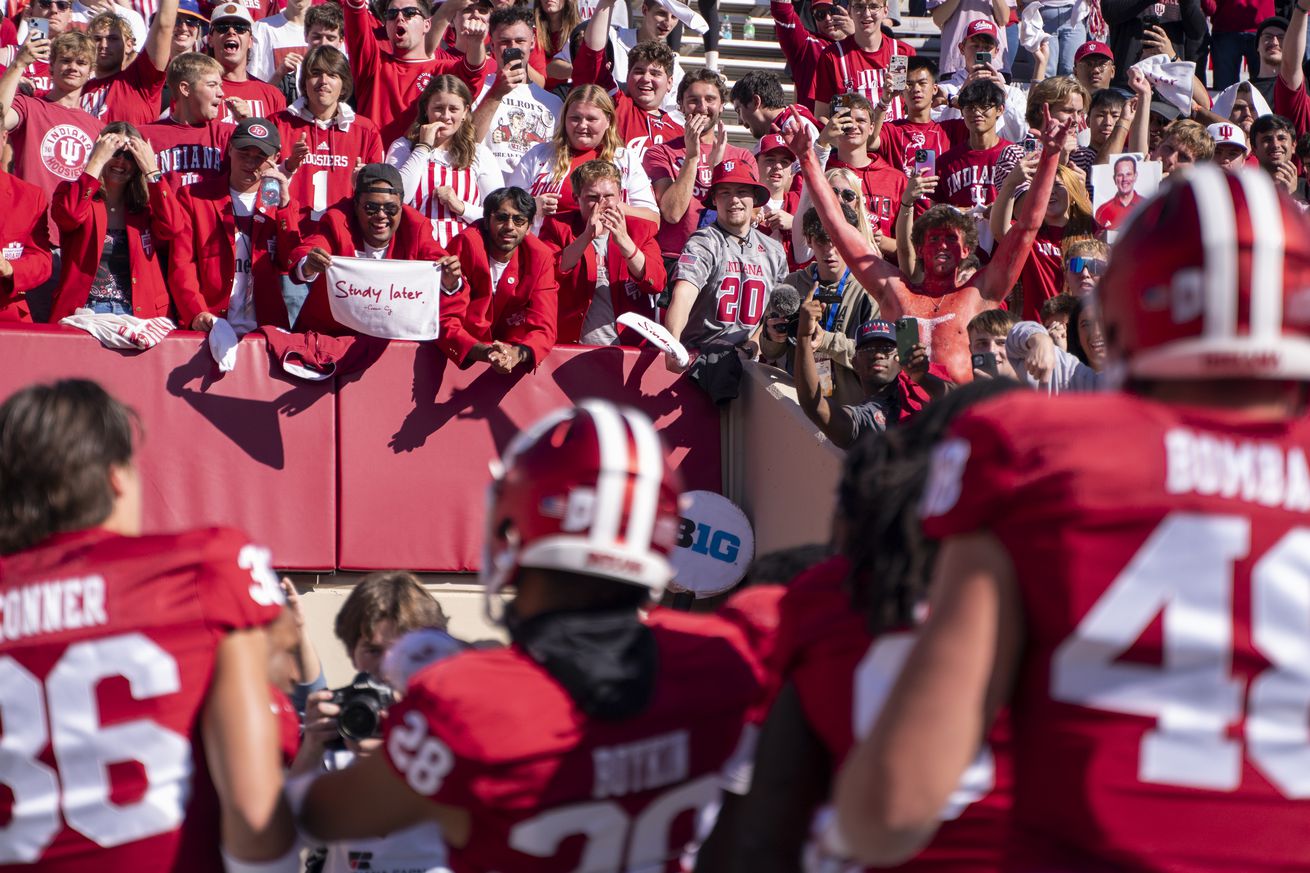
column 714, row 544
column 65, row 149
column 720, row 545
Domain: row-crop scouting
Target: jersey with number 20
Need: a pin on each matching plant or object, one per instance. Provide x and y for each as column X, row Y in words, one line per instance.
column 1162, row 555
column 550, row 789
column 107, row 648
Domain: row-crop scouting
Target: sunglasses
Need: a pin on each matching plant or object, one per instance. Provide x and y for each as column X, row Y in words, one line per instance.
column 828, row 12
column 847, row 195
column 61, row 5
column 519, row 220
column 123, row 154
column 1094, row 266
column 407, row 11
column 231, row 27
column 391, row 209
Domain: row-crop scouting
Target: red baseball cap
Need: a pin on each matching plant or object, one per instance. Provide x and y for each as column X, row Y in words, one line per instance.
column 983, row 27
column 1092, row 47
column 770, row 143
column 821, row 3
column 734, row 172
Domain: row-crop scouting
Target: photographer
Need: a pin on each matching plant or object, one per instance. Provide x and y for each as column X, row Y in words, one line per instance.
column 380, row 610
column 845, row 306
column 892, row 394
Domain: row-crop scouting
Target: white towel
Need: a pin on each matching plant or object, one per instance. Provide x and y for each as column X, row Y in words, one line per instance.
column 1171, row 79
column 223, row 345
column 686, row 15
column 121, row 331
column 1223, row 102
column 1032, row 32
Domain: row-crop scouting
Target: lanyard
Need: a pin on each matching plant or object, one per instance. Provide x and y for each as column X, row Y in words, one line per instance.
column 830, row 317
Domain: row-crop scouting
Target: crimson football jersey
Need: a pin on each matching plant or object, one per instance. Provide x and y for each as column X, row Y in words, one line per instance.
column 842, row 676
column 107, row 648
column 188, row 153
column 551, row 790
column 1162, row 556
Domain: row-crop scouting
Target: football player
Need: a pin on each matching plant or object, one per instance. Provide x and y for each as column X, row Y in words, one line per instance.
column 1133, row 570
column 134, row 694
column 595, row 738
column 833, row 672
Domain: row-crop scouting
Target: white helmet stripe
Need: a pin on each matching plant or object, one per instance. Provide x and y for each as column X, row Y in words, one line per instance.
column 1266, row 217
column 1218, row 222
column 612, row 481
column 646, row 488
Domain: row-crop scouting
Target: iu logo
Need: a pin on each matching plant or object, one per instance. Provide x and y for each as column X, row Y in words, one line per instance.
column 728, row 165
column 65, row 149
column 1226, row 131
column 258, row 130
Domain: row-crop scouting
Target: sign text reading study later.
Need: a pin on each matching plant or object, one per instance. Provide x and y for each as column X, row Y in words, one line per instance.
column 345, row 290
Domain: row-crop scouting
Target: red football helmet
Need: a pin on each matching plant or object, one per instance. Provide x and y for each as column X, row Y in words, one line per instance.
column 588, row 490
column 1211, row 280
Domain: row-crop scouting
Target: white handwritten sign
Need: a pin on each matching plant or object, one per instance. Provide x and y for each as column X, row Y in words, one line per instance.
column 387, row 299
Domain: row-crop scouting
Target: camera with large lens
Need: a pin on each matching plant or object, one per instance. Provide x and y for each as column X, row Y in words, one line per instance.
column 362, row 702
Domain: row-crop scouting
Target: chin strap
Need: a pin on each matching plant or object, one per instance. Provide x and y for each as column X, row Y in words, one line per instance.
column 605, row 659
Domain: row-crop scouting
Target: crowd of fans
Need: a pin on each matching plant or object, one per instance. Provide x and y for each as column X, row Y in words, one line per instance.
column 206, row 163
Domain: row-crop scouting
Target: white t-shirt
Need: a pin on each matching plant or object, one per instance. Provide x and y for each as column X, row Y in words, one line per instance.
column 241, row 306
column 526, row 117
column 273, row 39
column 497, row 270
column 417, row 849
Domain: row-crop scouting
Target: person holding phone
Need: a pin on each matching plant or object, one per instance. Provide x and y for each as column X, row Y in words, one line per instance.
column 943, row 239
column 802, row 47
column 514, row 114
column 982, row 53
column 239, row 278
column 858, row 63
column 900, row 140
column 891, row 394
column 43, row 19
column 850, row 131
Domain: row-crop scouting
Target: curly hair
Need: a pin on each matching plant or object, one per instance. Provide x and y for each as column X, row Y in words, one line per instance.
column 945, row 215
column 593, row 95
column 883, row 478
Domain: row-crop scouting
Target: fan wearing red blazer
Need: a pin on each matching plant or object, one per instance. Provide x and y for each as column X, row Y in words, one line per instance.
column 515, row 324
column 24, row 244
column 121, row 191
column 221, row 217
column 633, row 265
column 374, row 223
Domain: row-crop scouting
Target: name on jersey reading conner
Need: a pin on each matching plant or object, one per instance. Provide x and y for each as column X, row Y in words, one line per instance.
column 52, row 607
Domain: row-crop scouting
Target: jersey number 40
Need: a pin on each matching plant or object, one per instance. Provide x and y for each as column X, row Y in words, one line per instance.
column 1185, row 570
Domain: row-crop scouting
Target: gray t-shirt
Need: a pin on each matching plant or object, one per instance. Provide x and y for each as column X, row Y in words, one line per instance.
column 736, row 276
column 598, row 327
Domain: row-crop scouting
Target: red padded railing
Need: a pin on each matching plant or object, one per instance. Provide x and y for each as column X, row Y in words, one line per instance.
column 383, row 469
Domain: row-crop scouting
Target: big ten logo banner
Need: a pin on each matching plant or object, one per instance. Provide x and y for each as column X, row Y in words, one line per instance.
column 387, row 299
column 715, row 545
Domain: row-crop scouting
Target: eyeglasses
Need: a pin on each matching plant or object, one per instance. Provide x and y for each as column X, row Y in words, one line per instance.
column 407, row 11
column 231, row 27
column 391, row 209
column 867, row 8
column 61, row 5
column 518, row 220
column 1094, row 266
column 846, row 194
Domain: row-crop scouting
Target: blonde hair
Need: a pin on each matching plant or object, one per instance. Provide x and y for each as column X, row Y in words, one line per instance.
column 112, row 21
column 189, row 67
column 463, row 144
column 572, row 18
column 74, row 44
column 860, row 206
column 1082, row 246
column 610, row 143
column 1051, row 91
